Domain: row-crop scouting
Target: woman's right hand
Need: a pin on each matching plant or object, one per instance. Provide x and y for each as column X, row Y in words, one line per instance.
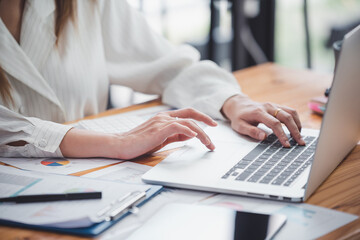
column 163, row 129
column 152, row 135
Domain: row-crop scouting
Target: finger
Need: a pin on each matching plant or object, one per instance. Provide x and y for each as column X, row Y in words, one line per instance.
column 245, row 128
column 194, row 114
column 171, row 139
column 176, row 138
column 177, row 128
column 202, row 136
column 291, row 125
column 294, row 114
column 276, row 126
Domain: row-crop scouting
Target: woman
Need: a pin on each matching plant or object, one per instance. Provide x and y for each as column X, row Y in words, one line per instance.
column 58, row 58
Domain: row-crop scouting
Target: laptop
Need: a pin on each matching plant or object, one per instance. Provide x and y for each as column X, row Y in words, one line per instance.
column 242, row 166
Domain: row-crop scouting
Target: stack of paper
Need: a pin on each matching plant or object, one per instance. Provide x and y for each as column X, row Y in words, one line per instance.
column 61, row 214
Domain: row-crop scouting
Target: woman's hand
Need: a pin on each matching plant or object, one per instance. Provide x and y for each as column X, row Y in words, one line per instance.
column 246, row 114
column 152, row 135
column 162, row 129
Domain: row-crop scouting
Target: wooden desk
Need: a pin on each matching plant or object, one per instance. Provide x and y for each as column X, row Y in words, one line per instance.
column 270, row 82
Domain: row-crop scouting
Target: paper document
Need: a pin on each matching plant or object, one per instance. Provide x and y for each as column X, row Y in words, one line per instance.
column 125, row 172
column 58, row 165
column 130, row 172
column 63, row 214
column 127, row 226
column 304, row 221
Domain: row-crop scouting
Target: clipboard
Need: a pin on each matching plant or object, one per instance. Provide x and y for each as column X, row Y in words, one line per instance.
column 92, row 230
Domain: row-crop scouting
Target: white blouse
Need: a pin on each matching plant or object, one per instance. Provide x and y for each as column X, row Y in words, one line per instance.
column 109, row 43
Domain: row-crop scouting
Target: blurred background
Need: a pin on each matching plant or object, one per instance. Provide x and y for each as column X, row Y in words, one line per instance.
column 242, row 33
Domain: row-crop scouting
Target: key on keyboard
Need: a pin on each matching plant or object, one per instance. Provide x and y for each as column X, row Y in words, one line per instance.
column 269, row 162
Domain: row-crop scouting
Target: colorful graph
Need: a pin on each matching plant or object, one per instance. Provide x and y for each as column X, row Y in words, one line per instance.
column 55, row 163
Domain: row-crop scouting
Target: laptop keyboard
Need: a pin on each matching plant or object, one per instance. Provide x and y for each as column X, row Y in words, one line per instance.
column 270, row 163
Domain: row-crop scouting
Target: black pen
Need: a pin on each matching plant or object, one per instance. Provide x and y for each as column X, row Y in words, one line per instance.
column 52, row 197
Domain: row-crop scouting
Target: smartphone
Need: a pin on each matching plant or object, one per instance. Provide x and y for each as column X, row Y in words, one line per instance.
column 189, row 221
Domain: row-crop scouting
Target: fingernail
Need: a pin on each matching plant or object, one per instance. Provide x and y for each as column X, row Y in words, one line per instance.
column 302, row 142
column 261, row 136
column 287, row 144
column 211, row 146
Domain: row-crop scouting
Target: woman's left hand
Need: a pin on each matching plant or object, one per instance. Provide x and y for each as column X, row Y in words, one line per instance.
column 245, row 114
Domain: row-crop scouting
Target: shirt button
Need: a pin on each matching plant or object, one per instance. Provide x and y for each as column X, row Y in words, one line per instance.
column 42, row 143
column 21, row 109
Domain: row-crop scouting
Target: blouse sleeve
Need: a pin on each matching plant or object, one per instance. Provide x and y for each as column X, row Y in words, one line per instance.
column 139, row 58
column 43, row 137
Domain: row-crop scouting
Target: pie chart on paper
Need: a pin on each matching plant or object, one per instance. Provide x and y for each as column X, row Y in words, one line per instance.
column 55, row 163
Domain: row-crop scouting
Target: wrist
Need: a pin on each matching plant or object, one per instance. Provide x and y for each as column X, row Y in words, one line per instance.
column 116, row 146
column 230, row 105
column 110, row 146
column 84, row 143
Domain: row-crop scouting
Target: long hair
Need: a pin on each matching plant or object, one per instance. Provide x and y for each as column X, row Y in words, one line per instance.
column 65, row 10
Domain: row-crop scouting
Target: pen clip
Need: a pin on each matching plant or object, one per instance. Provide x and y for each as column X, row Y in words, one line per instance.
column 130, row 201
